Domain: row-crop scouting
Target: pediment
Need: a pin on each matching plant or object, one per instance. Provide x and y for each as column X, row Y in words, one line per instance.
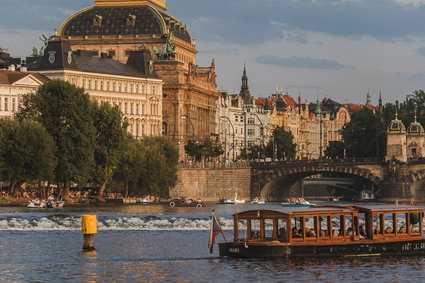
column 29, row 81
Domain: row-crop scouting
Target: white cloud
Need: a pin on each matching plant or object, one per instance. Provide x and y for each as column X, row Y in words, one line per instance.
column 415, row 3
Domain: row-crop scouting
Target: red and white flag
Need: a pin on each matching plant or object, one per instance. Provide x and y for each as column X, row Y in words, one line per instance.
column 215, row 230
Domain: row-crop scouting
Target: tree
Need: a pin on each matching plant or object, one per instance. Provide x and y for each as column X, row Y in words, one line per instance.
column 110, row 140
column 67, row 114
column 205, row 150
column 193, row 150
column 335, row 149
column 281, row 144
column 148, row 167
column 365, row 135
column 27, row 153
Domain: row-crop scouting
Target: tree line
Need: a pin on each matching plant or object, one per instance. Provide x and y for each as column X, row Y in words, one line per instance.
column 60, row 136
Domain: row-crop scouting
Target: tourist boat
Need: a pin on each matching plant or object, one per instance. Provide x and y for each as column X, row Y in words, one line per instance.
column 225, row 201
column 182, row 202
column 259, row 200
column 143, row 201
column 327, row 231
column 45, row 204
column 297, row 202
column 365, row 196
column 238, row 201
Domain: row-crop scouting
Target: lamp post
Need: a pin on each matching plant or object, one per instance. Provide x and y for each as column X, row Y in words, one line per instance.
column 191, row 123
column 233, row 129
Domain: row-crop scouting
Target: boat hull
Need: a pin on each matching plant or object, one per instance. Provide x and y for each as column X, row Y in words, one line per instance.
column 357, row 249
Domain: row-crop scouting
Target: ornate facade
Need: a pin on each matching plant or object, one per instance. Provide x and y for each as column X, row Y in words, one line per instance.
column 134, row 87
column 116, row 27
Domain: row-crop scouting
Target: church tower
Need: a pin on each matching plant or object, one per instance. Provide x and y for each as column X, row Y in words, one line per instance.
column 369, row 98
column 245, row 94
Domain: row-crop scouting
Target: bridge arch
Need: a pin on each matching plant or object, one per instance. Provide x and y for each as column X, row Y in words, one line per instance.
column 275, row 182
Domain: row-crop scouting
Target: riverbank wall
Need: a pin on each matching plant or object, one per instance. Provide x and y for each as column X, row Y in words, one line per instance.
column 210, row 184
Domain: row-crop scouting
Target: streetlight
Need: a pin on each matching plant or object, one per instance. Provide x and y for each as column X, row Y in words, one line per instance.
column 191, row 123
column 233, row 128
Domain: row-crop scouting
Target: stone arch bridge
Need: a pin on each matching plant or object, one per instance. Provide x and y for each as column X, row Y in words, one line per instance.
column 395, row 180
column 275, row 180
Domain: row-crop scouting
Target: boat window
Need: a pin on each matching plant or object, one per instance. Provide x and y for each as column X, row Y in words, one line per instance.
column 348, row 225
column 324, row 226
column 296, row 227
column 423, row 223
column 363, row 231
column 377, row 224
column 242, row 229
column 401, row 223
column 414, row 219
column 282, row 233
column 336, row 226
column 268, row 228
column 389, row 223
column 255, row 229
column 310, row 227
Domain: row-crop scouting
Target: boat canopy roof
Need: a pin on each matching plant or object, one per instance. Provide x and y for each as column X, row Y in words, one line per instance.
column 325, row 210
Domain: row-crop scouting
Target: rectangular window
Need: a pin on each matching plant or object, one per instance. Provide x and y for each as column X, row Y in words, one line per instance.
column 6, row 107
column 111, row 53
column 13, row 104
column 125, row 107
column 143, row 109
column 131, row 108
column 137, row 88
column 137, row 108
column 251, row 132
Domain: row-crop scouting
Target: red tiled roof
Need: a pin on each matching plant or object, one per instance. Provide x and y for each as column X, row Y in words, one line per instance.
column 10, row 77
column 289, row 100
column 358, row 107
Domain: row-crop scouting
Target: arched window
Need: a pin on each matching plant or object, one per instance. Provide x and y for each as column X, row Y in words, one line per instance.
column 164, row 128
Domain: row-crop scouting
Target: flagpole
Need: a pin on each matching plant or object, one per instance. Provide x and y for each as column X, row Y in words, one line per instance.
column 219, row 226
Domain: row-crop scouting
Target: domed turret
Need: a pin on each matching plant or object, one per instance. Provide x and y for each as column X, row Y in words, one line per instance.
column 415, row 128
column 396, row 126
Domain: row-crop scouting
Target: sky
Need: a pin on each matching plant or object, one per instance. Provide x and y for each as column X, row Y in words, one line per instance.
column 339, row 49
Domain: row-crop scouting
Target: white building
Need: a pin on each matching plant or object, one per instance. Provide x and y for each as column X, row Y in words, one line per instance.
column 13, row 85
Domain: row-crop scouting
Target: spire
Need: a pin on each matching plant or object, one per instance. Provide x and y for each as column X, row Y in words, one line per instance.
column 396, row 109
column 369, row 98
column 244, row 93
column 380, row 101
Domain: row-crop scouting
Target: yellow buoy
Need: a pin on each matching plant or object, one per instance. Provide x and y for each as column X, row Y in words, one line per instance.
column 89, row 224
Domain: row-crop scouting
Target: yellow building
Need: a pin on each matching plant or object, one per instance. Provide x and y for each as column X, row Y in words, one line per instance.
column 116, row 27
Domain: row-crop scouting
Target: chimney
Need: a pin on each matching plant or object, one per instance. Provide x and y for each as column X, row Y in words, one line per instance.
column 23, row 69
column 12, row 68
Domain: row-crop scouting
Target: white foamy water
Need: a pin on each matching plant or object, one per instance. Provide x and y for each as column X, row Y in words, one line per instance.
column 116, row 223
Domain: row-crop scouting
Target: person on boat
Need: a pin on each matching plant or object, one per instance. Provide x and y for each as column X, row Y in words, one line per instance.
column 402, row 229
column 296, row 234
column 256, row 235
column 388, row 230
column 350, row 231
column 282, row 234
column 362, row 232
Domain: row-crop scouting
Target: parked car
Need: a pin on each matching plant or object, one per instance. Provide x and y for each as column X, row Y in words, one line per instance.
column 182, row 202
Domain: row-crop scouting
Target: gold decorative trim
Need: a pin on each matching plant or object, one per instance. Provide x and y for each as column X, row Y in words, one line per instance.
column 160, row 3
column 60, row 30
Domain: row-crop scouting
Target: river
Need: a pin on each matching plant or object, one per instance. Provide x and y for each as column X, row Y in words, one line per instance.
column 137, row 243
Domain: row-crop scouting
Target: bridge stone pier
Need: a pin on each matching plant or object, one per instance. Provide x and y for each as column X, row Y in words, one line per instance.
column 277, row 181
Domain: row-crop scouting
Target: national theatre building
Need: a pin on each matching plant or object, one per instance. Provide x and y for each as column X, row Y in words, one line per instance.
column 115, row 28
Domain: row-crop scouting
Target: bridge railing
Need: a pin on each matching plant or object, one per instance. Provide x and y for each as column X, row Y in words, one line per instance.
column 215, row 165
column 347, row 161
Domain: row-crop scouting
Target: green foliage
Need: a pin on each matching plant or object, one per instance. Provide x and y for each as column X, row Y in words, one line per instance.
column 335, row 149
column 148, row 167
column 27, row 152
column 67, row 114
column 208, row 149
column 253, row 152
column 110, row 141
column 281, row 144
column 365, row 135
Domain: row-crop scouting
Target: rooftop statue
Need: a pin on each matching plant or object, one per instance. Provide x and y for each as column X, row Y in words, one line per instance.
column 168, row 50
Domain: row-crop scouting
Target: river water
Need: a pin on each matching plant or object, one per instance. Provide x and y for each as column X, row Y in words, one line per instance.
column 139, row 243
